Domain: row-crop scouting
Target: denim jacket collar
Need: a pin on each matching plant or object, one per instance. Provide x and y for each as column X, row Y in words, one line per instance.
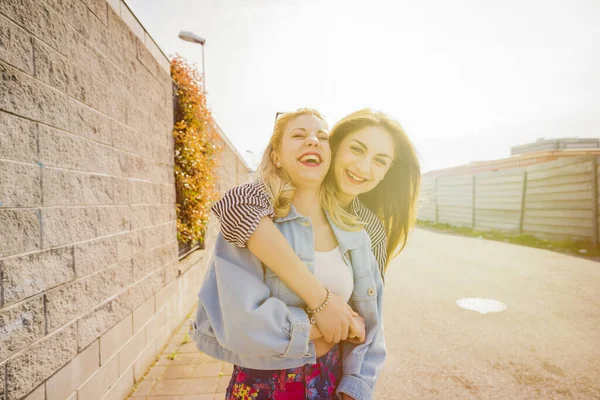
column 346, row 240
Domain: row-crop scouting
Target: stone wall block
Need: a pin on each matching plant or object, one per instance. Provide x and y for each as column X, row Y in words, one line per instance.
column 25, row 276
column 20, row 185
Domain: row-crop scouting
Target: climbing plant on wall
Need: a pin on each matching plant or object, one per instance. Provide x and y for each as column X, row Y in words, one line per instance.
column 197, row 147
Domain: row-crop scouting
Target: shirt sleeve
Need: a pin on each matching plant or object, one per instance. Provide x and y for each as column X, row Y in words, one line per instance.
column 241, row 209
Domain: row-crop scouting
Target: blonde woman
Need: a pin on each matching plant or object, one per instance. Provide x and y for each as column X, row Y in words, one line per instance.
column 375, row 176
column 247, row 316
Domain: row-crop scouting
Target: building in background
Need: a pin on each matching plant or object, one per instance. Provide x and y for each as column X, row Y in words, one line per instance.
column 555, row 144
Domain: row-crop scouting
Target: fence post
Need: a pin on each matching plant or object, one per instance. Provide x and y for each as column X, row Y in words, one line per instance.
column 594, row 200
column 436, row 201
column 473, row 216
column 523, row 194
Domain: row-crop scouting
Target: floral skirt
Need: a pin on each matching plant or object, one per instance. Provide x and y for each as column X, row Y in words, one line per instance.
column 310, row 382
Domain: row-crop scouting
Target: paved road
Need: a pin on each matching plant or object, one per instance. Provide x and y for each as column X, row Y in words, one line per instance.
column 546, row 345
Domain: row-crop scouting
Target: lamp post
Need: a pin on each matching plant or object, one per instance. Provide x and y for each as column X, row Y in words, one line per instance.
column 253, row 162
column 191, row 37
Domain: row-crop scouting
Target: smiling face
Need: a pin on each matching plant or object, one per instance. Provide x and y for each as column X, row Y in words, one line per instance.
column 362, row 160
column 304, row 153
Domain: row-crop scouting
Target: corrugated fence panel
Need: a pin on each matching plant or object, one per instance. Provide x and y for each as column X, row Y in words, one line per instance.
column 455, row 200
column 427, row 200
column 558, row 201
column 598, row 191
column 498, row 198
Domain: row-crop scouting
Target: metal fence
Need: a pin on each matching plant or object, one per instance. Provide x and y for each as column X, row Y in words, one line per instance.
column 557, row 200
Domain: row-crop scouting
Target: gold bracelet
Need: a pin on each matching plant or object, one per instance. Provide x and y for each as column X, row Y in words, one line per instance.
column 312, row 313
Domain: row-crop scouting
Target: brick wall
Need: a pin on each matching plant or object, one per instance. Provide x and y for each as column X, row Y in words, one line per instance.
column 90, row 284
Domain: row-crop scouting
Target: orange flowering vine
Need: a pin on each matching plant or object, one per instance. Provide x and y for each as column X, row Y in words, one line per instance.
column 197, row 147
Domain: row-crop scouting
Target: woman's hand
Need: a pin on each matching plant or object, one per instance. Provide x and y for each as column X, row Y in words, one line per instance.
column 358, row 336
column 336, row 320
column 347, row 397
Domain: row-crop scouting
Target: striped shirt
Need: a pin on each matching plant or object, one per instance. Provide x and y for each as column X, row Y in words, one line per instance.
column 241, row 209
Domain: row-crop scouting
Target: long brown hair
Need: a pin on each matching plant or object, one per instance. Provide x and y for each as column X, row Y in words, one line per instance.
column 394, row 199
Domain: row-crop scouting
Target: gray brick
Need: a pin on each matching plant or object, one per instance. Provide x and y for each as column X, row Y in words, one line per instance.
column 99, row 34
column 122, row 42
column 68, row 225
column 168, row 194
column 124, row 275
column 64, row 187
column 142, row 314
column 82, row 53
column 60, row 149
column 75, row 13
column 128, row 139
column 142, row 216
column 99, row 96
column 167, row 252
column 38, row 18
column 20, row 231
column 172, row 271
column 146, row 288
column 131, row 351
column 18, row 139
column 115, row 338
column 142, row 168
column 2, row 381
column 21, row 325
column 68, row 302
column 113, row 219
column 157, row 130
column 90, row 124
column 148, row 61
column 126, row 164
column 164, row 155
column 120, row 83
column 64, row 150
column 74, row 374
column 38, row 394
column 26, row 371
column 117, row 107
column 143, row 264
column 100, row 383
column 121, row 190
column 122, row 388
column 129, row 244
column 95, row 255
column 22, row 95
column 144, row 192
column 57, row 71
column 20, row 185
column 135, row 118
column 25, row 276
column 15, row 46
column 99, row 9
column 153, row 236
column 91, row 326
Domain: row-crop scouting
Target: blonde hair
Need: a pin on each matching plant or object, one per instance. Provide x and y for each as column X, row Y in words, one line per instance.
column 279, row 186
column 394, row 199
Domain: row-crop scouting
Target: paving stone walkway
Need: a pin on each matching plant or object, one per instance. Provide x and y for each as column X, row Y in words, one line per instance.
column 184, row 373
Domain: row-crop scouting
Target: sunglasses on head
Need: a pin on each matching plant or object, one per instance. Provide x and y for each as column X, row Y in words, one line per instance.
column 278, row 113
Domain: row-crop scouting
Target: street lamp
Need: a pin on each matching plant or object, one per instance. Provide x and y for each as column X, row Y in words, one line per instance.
column 191, row 37
column 253, row 162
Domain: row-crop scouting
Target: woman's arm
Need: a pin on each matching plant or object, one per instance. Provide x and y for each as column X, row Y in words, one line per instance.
column 244, row 213
column 237, row 309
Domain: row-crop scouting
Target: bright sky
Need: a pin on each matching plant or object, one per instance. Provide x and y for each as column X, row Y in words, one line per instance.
column 467, row 79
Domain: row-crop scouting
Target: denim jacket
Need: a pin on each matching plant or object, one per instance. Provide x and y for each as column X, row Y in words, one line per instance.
column 247, row 316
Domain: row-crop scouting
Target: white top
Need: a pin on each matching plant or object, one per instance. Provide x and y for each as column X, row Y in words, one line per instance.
column 332, row 272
